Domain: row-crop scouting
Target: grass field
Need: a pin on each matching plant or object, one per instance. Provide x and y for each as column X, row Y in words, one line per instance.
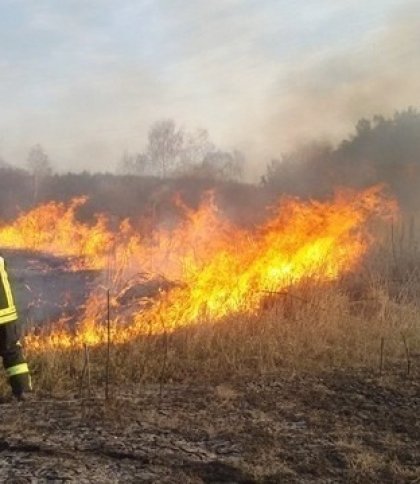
column 322, row 385
column 369, row 319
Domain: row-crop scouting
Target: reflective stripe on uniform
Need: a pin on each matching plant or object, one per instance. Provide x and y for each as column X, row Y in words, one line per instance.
column 8, row 317
column 17, row 369
column 7, row 313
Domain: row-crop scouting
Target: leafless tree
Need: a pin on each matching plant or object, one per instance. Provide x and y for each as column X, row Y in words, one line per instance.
column 224, row 165
column 39, row 167
column 165, row 146
column 135, row 164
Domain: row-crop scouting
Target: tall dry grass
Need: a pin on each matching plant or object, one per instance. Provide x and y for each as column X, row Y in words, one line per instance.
column 369, row 319
column 310, row 328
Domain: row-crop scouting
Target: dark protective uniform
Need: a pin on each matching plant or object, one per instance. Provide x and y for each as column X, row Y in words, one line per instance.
column 10, row 347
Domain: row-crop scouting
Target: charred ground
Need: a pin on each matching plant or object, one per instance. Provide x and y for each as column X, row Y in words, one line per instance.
column 339, row 426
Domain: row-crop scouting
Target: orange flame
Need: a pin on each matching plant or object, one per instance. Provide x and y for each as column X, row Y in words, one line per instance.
column 53, row 228
column 219, row 269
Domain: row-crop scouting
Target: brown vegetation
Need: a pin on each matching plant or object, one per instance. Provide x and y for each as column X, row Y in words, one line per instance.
column 367, row 320
column 322, row 385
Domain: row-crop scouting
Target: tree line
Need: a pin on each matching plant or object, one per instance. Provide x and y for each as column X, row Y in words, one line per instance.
column 174, row 160
column 380, row 150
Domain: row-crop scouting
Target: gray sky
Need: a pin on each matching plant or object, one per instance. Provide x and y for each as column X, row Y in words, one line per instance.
column 87, row 78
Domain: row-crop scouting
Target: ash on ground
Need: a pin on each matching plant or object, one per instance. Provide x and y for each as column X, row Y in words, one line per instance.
column 46, row 288
column 332, row 427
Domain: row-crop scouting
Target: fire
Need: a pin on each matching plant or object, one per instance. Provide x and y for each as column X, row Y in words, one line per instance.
column 216, row 268
column 53, row 228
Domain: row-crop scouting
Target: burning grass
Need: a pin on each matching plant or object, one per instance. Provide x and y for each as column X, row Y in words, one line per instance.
column 309, row 328
column 295, row 292
column 220, row 270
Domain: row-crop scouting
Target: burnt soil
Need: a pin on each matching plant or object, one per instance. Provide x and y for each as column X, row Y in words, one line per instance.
column 333, row 427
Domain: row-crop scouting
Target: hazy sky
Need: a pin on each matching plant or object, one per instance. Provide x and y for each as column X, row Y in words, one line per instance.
column 86, row 78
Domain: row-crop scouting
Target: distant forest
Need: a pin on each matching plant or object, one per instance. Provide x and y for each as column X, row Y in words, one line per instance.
column 381, row 150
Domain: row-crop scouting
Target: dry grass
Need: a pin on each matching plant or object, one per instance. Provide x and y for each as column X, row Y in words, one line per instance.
column 320, row 386
column 311, row 327
column 212, row 403
column 368, row 319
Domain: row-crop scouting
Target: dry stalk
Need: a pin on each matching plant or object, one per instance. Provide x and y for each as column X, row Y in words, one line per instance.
column 407, row 353
column 108, row 354
column 394, row 256
column 165, row 359
column 87, row 359
column 381, row 357
column 85, row 371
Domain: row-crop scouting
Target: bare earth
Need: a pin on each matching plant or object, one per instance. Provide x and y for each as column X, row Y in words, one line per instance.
column 335, row 427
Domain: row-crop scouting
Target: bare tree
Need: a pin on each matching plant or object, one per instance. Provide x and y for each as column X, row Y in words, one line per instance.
column 135, row 164
column 165, row 146
column 224, row 165
column 177, row 152
column 39, row 167
column 196, row 146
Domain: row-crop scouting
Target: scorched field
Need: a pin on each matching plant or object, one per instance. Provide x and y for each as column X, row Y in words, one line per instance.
column 194, row 349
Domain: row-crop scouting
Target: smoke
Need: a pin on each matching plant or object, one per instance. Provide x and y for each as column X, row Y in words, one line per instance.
column 326, row 94
column 87, row 79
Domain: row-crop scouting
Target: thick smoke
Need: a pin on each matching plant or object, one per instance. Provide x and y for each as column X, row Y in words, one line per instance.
column 380, row 151
column 324, row 95
column 260, row 76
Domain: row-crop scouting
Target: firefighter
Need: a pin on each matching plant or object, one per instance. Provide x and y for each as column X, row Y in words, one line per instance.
column 10, row 348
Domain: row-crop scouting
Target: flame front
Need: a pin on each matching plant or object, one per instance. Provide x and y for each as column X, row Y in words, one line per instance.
column 217, row 269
